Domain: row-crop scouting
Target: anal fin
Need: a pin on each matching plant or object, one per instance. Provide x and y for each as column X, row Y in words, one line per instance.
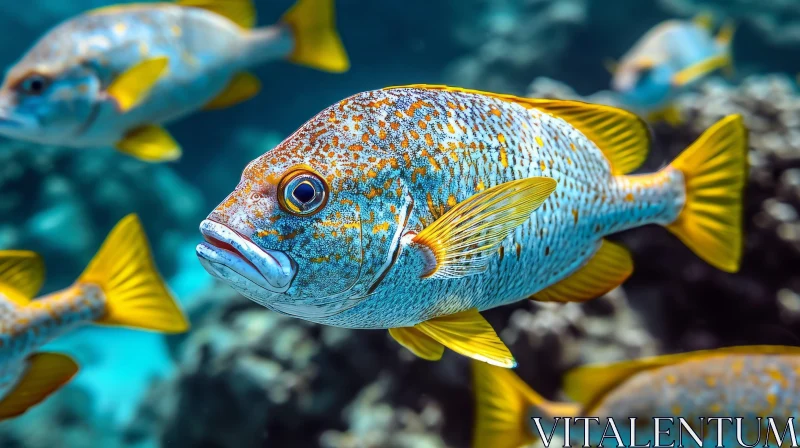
column 610, row 266
column 150, row 143
column 242, row 87
column 21, row 275
column 45, row 374
column 700, row 69
column 418, row 343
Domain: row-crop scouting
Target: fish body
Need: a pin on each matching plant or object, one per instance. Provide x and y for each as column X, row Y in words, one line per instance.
column 120, row 287
column 747, row 382
column 395, row 167
column 71, row 88
column 666, row 59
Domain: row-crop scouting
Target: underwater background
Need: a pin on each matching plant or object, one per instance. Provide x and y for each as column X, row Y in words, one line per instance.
column 247, row 377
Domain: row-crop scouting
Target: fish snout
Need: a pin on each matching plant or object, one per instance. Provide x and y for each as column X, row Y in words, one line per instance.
column 232, row 256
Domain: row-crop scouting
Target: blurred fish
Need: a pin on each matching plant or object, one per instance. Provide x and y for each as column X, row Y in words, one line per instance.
column 668, row 58
column 412, row 209
column 110, row 77
column 120, row 287
column 737, row 381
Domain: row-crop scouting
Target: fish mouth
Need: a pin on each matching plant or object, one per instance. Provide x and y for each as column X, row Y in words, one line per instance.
column 226, row 254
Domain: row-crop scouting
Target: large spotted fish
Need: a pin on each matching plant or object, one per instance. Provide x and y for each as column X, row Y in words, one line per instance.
column 121, row 287
column 747, row 382
column 111, row 77
column 414, row 208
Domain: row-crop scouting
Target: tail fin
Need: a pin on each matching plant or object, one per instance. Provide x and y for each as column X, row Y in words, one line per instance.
column 715, row 171
column 724, row 40
column 503, row 406
column 316, row 41
column 136, row 295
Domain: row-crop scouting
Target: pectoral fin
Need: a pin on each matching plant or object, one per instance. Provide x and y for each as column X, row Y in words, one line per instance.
column 45, row 374
column 700, row 69
column 418, row 343
column 610, row 266
column 242, row 87
column 131, row 87
column 469, row 334
column 463, row 240
column 21, row 275
column 150, row 143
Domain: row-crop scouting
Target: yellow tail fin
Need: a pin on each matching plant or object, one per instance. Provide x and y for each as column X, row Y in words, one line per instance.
column 503, row 405
column 715, row 172
column 316, row 42
column 136, row 295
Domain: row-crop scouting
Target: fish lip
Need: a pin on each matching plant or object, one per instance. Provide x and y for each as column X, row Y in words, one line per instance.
column 227, row 250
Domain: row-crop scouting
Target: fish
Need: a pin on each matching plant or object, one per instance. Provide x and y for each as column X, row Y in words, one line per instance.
column 666, row 60
column 745, row 381
column 120, row 287
column 112, row 77
column 415, row 208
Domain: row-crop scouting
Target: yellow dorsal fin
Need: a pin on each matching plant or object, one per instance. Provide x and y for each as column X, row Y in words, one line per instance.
column 418, row 343
column 463, row 240
column 45, row 374
column 240, row 12
column 608, row 268
column 503, row 406
column 135, row 294
column 622, row 136
column 704, row 20
column 469, row 334
column 242, row 87
column 316, row 41
column 21, row 275
column 611, row 65
column 150, row 143
column 588, row 384
column 132, row 87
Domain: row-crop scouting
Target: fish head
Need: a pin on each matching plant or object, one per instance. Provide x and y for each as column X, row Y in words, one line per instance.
column 47, row 103
column 307, row 229
column 644, row 86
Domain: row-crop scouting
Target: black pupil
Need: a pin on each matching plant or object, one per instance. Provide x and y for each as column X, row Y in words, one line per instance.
column 35, row 85
column 304, row 192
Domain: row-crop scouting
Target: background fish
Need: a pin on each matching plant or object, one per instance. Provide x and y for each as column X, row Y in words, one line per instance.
column 413, row 208
column 110, row 77
column 739, row 381
column 120, row 287
column 669, row 57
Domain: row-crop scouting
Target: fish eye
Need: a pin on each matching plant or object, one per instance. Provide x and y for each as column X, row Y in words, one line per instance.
column 302, row 193
column 34, row 84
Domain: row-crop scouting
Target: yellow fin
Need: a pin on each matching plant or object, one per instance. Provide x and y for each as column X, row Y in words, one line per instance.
column 704, row 20
column 418, row 343
column 242, row 87
column 611, row 65
column 725, row 39
column 21, row 275
column 588, row 384
column 135, row 293
column 240, row 12
column 150, row 143
column 463, row 240
column 45, row 374
column 316, row 41
column 503, row 404
column 610, row 266
column 469, row 334
column 670, row 114
column 715, row 171
column 133, row 86
column 621, row 135
column 700, row 69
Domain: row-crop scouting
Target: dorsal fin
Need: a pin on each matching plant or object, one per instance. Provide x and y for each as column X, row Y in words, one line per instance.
column 588, row 384
column 240, row 12
column 21, row 275
column 622, row 136
column 704, row 20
